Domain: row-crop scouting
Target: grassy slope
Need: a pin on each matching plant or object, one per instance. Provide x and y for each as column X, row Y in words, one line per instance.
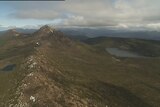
column 12, row 52
column 130, row 82
column 89, row 68
column 141, row 76
column 144, row 47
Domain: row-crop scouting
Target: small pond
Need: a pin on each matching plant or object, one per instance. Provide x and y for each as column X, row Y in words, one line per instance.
column 9, row 67
column 122, row 53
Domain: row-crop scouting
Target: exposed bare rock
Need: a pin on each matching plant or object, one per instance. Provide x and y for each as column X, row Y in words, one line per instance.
column 39, row 89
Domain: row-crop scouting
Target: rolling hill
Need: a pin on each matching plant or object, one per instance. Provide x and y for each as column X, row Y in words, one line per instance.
column 148, row 48
column 53, row 70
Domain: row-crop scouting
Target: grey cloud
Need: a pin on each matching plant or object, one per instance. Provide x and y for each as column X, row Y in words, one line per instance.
column 129, row 13
column 155, row 19
column 83, row 21
column 35, row 14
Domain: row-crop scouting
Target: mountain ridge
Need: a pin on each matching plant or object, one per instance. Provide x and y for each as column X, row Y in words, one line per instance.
column 54, row 70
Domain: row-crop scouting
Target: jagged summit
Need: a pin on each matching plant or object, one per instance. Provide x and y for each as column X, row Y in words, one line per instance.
column 48, row 33
column 13, row 32
column 46, row 29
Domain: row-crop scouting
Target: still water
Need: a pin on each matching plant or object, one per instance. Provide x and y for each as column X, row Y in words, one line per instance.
column 122, row 53
column 8, row 67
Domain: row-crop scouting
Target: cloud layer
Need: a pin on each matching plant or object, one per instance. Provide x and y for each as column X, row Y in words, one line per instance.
column 124, row 14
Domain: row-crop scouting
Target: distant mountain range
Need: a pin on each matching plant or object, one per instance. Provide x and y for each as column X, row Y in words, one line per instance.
column 151, row 35
column 84, row 33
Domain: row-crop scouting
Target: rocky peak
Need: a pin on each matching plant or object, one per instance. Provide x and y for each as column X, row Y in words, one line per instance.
column 13, row 32
column 47, row 35
column 46, row 29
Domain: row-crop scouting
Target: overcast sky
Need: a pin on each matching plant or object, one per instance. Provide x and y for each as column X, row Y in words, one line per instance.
column 115, row 14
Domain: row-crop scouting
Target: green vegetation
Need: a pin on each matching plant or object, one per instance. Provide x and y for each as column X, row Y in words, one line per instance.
column 86, row 71
column 2, row 42
column 89, row 69
column 12, row 54
column 148, row 48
